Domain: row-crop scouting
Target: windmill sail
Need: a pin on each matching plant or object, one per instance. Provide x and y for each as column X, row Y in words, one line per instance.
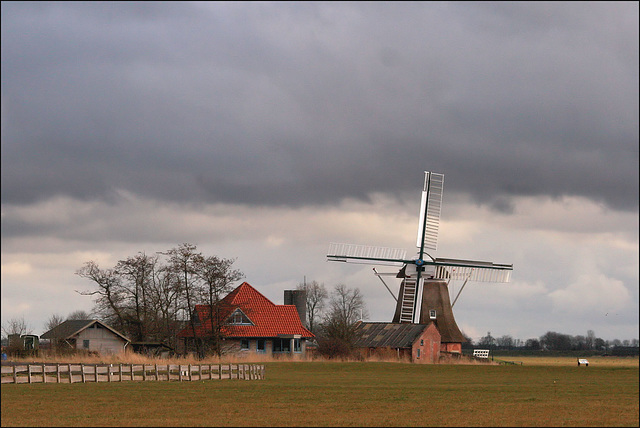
column 366, row 254
column 470, row 270
column 430, row 206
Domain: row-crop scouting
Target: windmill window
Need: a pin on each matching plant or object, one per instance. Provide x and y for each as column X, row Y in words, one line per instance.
column 432, row 314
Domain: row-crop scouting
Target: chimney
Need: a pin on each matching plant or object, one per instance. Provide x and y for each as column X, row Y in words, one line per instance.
column 299, row 299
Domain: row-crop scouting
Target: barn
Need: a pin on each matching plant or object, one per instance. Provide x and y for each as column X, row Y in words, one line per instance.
column 87, row 335
column 416, row 343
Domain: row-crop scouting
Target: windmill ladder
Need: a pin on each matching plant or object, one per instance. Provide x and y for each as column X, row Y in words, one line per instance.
column 408, row 300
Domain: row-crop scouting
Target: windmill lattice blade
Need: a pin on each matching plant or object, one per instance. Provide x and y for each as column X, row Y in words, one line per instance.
column 353, row 253
column 430, row 207
column 472, row 270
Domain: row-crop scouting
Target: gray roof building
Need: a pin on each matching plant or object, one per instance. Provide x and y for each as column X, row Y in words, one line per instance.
column 387, row 335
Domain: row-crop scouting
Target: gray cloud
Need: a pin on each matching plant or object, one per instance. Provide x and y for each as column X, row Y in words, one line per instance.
column 291, row 104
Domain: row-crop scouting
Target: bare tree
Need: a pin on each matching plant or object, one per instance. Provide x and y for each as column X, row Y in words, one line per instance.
column 505, row 342
column 53, row 321
column 316, row 301
column 79, row 315
column 16, row 326
column 108, row 297
column 183, row 263
column 136, row 274
column 487, row 340
column 346, row 307
column 217, row 277
column 165, row 302
column 149, row 297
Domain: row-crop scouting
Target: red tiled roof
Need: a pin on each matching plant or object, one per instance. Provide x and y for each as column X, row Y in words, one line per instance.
column 269, row 319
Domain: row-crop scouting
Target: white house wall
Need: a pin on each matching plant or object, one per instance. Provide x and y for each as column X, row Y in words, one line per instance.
column 100, row 340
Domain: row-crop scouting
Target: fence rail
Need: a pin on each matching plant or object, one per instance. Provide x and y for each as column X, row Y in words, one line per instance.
column 81, row 373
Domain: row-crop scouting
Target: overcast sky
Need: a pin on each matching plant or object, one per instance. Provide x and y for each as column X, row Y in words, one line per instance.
column 265, row 131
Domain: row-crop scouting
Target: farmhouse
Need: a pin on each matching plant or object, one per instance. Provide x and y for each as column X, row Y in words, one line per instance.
column 250, row 323
column 88, row 335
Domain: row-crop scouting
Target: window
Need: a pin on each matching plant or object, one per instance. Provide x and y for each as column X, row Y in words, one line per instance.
column 239, row 318
column 260, row 346
column 418, row 354
column 297, row 345
column 244, row 344
column 432, row 314
column 85, row 344
column 421, row 343
column 281, row 345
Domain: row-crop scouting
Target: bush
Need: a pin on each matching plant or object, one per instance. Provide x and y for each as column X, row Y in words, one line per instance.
column 334, row 348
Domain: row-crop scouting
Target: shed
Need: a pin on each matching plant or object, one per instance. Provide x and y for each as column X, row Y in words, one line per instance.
column 88, row 335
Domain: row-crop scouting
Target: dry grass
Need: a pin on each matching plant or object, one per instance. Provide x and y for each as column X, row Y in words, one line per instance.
column 347, row 394
column 134, row 358
column 572, row 361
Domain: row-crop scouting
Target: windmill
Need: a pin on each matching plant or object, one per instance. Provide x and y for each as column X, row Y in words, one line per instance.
column 423, row 296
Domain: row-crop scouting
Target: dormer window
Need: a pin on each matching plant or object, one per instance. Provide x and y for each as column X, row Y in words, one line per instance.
column 239, row 318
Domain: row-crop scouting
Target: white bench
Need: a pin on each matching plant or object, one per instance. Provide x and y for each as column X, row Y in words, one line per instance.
column 583, row 361
column 481, row 353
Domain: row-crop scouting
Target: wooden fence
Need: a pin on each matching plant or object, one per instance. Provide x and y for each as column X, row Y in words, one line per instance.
column 78, row 373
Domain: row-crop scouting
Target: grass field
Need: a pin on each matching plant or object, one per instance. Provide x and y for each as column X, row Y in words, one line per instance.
column 538, row 393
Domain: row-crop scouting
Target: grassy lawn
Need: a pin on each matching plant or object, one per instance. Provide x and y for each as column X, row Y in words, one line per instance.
column 347, row 394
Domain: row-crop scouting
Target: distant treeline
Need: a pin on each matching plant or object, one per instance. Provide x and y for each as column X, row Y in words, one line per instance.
column 553, row 341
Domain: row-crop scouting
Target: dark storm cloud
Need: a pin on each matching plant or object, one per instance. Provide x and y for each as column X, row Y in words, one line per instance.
column 295, row 103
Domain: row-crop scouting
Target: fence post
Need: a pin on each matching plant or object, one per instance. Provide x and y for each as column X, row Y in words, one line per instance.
column 15, row 375
column 70, row 377
column 58, row 372
column 29, row 372
column 44, row 374
column 84, row 378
